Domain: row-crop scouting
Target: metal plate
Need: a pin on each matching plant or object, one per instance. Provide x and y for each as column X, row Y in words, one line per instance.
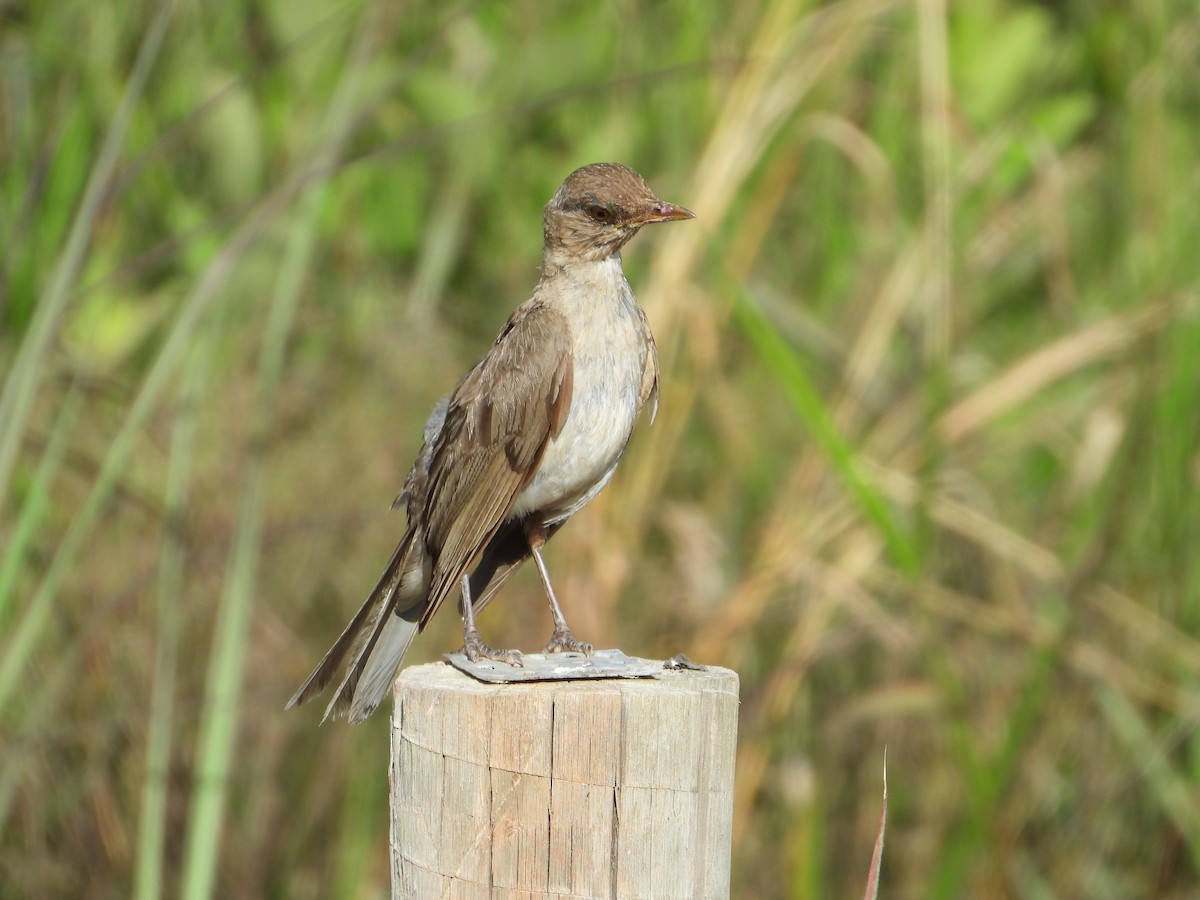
column 558, row 667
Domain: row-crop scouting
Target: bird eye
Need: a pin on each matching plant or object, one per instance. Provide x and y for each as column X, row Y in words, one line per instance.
column 599, row 213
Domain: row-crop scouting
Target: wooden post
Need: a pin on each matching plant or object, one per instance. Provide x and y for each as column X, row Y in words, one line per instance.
column 602, row 789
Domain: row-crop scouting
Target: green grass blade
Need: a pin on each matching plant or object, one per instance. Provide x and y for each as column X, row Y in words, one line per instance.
column 22, row 383
column 1173, row 791
column 808, row 405
column 36, row 502
column 152, row 828
column 227, row 663
column 987, row 777
column 37, row 615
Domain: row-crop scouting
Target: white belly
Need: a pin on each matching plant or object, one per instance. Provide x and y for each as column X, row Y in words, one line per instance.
column 606, row 384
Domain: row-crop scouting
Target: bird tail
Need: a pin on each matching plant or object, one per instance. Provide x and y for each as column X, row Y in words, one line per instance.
column 376, row 639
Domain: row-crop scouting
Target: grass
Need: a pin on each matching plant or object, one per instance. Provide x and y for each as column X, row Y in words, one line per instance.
column 925, row 470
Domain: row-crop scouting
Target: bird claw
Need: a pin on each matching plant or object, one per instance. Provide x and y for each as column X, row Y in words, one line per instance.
column 562, row 641
column 476, row 650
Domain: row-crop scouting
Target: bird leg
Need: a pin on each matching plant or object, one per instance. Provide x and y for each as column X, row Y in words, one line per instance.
column 562, row 641
column 473, row 645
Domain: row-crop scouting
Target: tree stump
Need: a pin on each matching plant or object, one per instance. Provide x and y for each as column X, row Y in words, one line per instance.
column 604, row 789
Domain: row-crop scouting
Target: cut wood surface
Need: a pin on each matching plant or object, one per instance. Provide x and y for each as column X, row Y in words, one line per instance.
column 605, row 789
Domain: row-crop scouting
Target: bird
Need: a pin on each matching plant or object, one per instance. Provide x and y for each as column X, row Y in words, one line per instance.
column 525, row 440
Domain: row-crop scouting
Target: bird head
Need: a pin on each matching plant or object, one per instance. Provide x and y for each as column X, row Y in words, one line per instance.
column 598, row 209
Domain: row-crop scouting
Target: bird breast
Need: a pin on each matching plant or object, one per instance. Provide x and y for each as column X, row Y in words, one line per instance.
column 609, row 347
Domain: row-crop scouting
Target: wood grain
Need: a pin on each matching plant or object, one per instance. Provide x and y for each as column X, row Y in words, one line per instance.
column 598, row 789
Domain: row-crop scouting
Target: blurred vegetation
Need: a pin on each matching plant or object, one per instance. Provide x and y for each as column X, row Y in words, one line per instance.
column 925, row 471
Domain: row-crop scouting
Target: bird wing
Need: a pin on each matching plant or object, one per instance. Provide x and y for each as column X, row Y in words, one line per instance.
column 649, row 391
column 498, row 423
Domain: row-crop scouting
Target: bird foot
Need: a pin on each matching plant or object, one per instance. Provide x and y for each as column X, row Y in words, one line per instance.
column 562, row 641
column 476, row 649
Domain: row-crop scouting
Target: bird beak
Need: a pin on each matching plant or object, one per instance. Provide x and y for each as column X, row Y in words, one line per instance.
column 665, row 212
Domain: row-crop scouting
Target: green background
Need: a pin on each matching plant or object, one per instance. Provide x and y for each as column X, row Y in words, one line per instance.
column 925, row 470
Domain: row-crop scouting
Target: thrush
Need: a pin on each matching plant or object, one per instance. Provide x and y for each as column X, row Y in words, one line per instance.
column 531, row 434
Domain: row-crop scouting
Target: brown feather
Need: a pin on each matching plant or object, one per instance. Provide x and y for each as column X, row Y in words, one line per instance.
column 497, row 425
column 649, row 392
